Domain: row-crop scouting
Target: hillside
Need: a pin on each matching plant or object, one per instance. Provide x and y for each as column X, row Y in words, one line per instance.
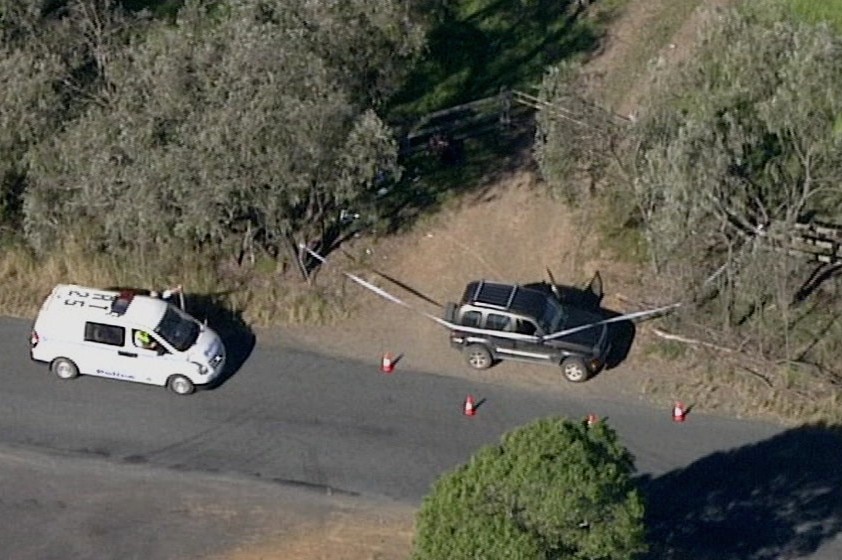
column 508, row 230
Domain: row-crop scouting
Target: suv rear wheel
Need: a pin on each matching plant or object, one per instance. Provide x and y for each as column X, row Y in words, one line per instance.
column 478, row 356
column 574, row 369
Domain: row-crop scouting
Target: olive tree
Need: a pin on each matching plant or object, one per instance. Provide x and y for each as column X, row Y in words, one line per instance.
column 575, row 139
column 551, row 489
column 239, row 122
column 737, row 145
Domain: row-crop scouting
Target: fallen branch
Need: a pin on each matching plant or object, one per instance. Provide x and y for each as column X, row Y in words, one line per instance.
column 678, row 338
column 756, row 374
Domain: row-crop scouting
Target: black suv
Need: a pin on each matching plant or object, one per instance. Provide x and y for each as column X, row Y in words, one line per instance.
column 524, row 317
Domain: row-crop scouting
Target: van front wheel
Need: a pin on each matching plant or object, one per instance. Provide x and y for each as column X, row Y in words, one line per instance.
column 64, row 368
column 180, row 385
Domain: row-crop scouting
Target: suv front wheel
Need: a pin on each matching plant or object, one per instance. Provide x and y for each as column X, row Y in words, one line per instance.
column 478, row 356
column 574, row 369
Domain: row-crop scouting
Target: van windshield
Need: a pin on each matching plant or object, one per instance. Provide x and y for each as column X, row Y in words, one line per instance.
column 180, row 331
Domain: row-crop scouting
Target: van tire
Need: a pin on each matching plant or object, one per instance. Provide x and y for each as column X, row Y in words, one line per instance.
column 180, row 385
column 64, row 368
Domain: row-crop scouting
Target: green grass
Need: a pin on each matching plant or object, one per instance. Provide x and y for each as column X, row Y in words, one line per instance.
column 475, row 49
column 478, row 46
column 816, row 11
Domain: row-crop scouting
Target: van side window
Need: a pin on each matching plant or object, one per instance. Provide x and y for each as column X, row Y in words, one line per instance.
column 105, row 334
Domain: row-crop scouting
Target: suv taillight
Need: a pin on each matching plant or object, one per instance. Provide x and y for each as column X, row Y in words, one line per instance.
column 33, row 339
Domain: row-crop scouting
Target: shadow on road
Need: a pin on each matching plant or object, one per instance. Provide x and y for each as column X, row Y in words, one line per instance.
column 237, row 336
column 780, row 498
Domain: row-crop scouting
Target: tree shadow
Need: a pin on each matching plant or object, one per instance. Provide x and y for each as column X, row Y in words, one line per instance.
column 236, row 334
column 780, row 498
column 474, row 49
column 477, row 51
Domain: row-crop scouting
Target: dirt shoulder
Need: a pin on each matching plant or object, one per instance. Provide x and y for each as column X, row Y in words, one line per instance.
column 511, row 233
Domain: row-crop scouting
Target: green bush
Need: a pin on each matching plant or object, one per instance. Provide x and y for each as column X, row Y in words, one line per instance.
column 551, row 489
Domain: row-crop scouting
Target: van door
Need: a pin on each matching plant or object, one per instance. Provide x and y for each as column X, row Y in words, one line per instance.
column 149, row 360
column 106, row 353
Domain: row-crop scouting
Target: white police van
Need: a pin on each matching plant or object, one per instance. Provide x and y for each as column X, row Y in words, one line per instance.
column 124, row 335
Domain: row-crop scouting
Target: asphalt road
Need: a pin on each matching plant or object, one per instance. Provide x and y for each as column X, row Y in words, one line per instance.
column 719, row 488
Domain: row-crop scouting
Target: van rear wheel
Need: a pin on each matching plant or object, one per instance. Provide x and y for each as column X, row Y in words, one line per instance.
column 64, row 368
column 180, row 385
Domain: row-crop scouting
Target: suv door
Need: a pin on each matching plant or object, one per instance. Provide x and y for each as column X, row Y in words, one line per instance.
column 500, row 322
column 531, row 349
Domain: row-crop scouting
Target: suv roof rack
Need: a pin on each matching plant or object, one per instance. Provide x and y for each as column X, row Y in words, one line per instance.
column 505, row 297
column 490, row 294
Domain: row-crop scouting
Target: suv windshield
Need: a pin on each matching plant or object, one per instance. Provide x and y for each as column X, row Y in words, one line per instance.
column 552, row 317
column 177, row 329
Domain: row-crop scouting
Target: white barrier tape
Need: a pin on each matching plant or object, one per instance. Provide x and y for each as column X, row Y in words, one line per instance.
column 377, row 290
column 501, row 334
column 626, row 317
column 451, row 326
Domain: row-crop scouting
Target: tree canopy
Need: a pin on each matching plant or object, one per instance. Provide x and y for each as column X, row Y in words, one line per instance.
column 241, row 120
column 732, row 147
column 735, row 147
column 550, row 489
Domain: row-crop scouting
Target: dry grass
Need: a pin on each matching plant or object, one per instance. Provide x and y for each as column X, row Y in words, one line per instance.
column 345, row 535
column 714, row 384
column 260, row 298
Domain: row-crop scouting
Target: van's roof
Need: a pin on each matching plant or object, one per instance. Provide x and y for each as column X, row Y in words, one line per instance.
column 92, row 304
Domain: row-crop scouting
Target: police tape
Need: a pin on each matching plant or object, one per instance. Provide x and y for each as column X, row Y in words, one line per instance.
column 501, row 334
column 627, row 317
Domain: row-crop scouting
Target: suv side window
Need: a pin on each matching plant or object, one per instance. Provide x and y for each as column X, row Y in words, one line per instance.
column 525, row 327
column 471, row 318
column 497, row 322
column 105, row 334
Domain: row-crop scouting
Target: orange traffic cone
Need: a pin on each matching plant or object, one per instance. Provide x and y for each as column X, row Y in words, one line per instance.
column 470, row 407
column 679, row 412
column 591, row 420
column 387, row 364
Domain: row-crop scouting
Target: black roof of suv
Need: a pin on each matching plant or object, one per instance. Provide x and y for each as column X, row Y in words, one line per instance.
column 505, row 297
